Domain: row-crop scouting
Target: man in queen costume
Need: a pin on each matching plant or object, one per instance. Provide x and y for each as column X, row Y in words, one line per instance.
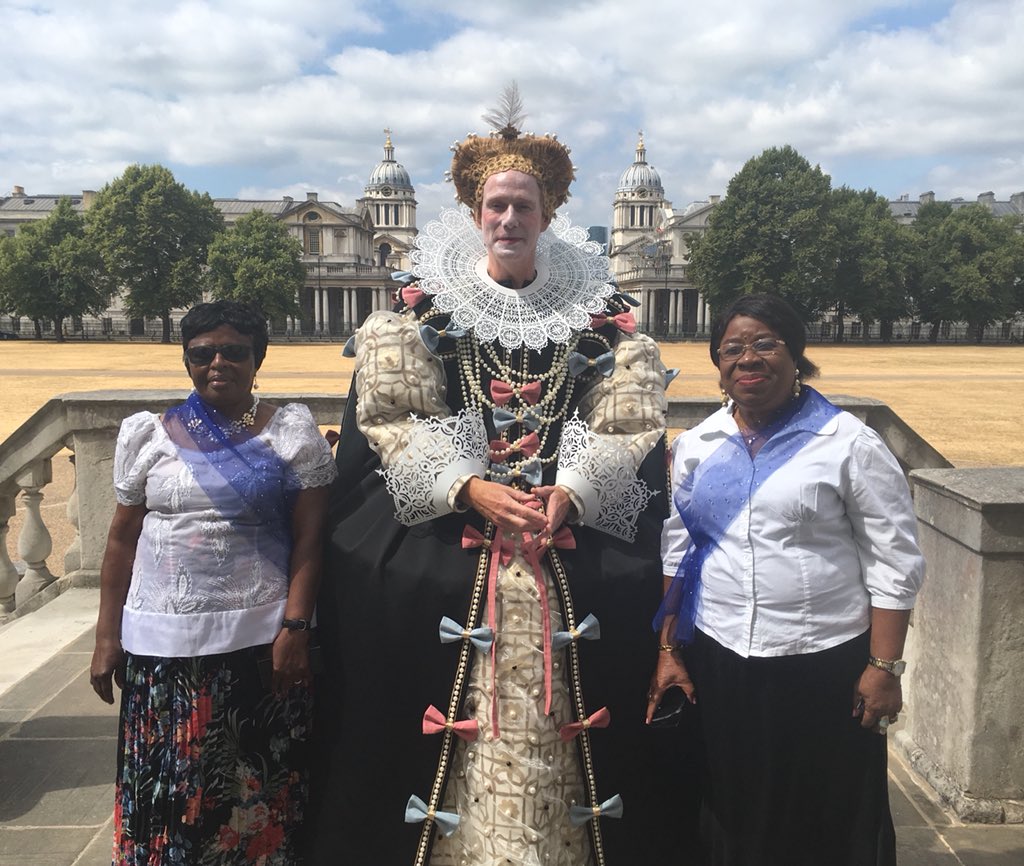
column 493, row 543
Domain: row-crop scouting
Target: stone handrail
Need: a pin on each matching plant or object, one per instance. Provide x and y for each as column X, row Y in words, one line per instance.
column 87, row 423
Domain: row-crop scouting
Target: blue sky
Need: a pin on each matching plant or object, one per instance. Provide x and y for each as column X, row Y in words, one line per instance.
column 258, row 98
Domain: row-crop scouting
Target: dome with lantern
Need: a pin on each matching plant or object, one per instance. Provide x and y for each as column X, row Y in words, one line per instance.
column 640, row 179
column 389, row 176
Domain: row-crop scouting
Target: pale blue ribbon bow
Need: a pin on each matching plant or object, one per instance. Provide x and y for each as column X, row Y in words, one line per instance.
column 503, row 419
column 578, row 363
column 610, row 808
column 403, row 277
column 589, row 629
column 416, row 811
column 432, row 337
column 450, row 631
column 350, row 347
column 532, row 471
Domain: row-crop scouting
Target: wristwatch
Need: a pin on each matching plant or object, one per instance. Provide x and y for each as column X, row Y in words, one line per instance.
column 296, row 624
column 896, row 667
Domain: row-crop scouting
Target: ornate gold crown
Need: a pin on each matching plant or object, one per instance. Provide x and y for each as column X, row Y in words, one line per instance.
column 543, row 157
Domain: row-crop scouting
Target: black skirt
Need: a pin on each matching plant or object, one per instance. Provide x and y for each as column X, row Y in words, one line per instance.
column 791, row 777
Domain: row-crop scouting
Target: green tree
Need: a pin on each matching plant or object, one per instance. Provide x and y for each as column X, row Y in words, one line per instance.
column 258, row 262
column 154, row 234
column 971, row 267
column 771, row 233
column 51, row 271
column 874, row 260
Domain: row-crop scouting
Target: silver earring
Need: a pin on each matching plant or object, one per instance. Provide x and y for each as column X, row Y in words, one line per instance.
column 796, row 384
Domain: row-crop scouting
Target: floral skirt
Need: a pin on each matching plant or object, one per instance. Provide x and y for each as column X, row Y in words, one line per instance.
column 212, row 767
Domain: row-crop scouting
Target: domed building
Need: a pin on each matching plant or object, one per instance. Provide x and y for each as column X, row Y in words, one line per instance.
column 648, row 251
column 391, row 200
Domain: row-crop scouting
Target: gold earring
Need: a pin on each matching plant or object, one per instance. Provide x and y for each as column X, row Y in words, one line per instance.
column 796, row 384
column 725, row 397
column 255, row 384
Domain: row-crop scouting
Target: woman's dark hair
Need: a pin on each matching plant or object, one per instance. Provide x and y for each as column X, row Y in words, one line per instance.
column 778, row 315
column 243, row 318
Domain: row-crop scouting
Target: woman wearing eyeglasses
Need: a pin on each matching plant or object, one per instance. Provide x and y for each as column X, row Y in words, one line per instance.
column 207, row 589
column 791, row 565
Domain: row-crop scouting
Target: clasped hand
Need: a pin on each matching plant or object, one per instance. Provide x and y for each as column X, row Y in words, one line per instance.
column 544, row 509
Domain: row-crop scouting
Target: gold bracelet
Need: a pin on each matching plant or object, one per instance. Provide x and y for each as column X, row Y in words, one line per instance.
column 668, row 648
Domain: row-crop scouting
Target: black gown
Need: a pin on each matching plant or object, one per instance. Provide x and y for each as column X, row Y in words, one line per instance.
column 385, row 588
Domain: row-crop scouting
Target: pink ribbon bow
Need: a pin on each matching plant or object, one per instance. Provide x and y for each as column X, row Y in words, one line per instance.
column 502, row 392
column 623, row 321
column 601, row 719
column 412, row 295
column 527, row 446
column 434, row 722
column 472, row 537
column 563, row 539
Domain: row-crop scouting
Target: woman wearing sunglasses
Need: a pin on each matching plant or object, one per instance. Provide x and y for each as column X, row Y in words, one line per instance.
column 791, row 565
column 207, row 589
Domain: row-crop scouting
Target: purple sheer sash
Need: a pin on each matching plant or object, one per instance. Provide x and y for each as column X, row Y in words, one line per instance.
column 716, row 492
column 260, row 486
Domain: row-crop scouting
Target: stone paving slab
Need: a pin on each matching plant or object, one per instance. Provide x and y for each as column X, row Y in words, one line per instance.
column 58, row 746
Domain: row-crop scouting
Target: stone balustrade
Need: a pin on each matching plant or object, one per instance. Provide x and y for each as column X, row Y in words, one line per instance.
column 965, row 682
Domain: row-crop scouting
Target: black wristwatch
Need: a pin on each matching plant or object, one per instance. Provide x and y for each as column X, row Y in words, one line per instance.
column 296, row 624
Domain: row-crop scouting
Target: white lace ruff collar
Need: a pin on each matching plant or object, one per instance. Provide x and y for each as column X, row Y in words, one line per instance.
column 450, row 263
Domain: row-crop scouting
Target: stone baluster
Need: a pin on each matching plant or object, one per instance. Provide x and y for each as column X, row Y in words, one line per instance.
column 8, row 573
column 35, row 544
column 73, row 555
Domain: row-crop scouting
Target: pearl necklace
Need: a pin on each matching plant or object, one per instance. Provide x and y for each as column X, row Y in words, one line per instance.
column 473, row 364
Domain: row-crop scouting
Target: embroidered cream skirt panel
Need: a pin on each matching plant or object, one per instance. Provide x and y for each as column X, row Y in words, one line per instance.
column 513, row 793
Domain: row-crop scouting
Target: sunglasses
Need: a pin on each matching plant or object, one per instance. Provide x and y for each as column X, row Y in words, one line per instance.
column 203, row 355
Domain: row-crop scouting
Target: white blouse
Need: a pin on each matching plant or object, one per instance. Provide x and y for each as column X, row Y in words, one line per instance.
column 200, row 582
column 828, row 535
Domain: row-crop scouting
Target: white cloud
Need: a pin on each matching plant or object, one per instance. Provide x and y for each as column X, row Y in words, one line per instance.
column 269, row 96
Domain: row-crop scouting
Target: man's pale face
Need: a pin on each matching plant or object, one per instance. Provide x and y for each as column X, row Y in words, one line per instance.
column 511, row 219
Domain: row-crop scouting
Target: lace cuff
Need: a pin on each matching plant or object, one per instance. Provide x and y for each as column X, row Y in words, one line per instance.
column 603, row 476
column 439, row 453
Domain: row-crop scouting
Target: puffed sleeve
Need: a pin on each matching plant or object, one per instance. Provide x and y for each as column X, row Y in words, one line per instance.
column 133, row 457
column 674, row 537
column 304, row 449
column 424, row 449
column 881, row 512
column 619, row 420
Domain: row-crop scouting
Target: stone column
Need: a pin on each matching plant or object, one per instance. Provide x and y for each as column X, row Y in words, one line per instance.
column 326, row 301
column 964, row 686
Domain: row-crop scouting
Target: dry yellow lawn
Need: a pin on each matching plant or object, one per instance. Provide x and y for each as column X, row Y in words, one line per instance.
column 966, row 401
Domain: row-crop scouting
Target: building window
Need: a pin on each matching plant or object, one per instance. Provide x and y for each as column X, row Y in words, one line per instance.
column 108, row 325
column 313, row 246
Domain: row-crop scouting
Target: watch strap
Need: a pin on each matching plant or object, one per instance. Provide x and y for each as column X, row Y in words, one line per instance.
column 896, row 667
column 296, row 624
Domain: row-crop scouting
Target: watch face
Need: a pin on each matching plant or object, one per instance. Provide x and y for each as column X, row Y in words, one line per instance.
column 385, row 190
column 641, row 193
column 899, row 667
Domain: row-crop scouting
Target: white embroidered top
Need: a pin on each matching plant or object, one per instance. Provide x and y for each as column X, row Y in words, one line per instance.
column 199, row 584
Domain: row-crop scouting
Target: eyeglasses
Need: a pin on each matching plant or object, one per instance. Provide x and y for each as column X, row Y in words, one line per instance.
column 233, row 352
column 765, row 348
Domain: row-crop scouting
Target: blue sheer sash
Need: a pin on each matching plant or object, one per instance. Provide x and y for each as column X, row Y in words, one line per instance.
column 260, row 486
column 712, row 496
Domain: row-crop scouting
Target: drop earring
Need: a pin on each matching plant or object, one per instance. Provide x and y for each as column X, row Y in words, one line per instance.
column 796, row 384
column 725, row 397
column 255, row 384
